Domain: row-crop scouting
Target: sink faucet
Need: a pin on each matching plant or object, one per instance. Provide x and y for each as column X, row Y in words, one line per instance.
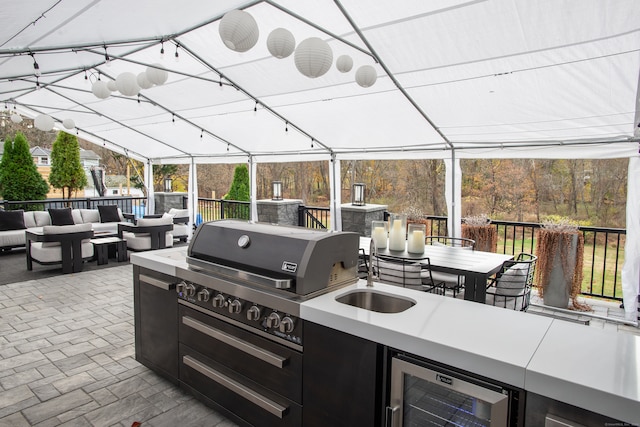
column 373, row 250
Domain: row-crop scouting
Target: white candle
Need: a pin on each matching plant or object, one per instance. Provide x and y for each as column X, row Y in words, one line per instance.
column 380, row 237
column 396, row 236
column 415, row 242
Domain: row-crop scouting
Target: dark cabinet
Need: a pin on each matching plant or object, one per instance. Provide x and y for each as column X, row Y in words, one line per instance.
column 342, row 379
column 156, row 321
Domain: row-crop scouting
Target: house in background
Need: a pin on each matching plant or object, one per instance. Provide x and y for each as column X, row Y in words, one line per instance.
column 42, row 158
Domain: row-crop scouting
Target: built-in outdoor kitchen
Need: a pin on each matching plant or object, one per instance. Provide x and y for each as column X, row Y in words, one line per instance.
column 270, row 325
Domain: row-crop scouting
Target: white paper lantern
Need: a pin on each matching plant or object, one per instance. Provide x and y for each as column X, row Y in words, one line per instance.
column 281, row 43
column 366, row 76
column 313, row 57
column 238, row 30
column 127, row 84
column 111, row 85
column 344, row 63
column 157, row 74
column 16, row 118
column 43, row 122
column 143, row 81
column 100, row 89
column 68, row 123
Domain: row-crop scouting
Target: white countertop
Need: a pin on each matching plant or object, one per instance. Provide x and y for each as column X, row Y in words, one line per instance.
column 598, row 370
column 162, row 260
column 593, row 369
column 488, row 341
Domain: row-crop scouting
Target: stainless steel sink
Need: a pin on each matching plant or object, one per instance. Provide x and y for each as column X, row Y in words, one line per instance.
column 376, row 301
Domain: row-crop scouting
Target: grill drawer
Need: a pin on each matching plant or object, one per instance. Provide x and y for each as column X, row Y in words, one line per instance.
column 248, row 400
column 264, row 362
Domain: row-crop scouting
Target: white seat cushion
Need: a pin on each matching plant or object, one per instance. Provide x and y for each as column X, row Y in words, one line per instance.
column 42, row 253
column 142, row 241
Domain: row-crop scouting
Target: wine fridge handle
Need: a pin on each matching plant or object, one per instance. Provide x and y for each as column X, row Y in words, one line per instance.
column 391, row 416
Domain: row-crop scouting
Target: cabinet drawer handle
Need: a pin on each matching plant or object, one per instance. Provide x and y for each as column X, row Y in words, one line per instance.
column 156, row 282
column 250, row 349
column 234, row 386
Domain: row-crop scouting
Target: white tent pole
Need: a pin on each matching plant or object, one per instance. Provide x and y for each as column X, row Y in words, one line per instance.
column 336, row 198
column 148, row 183
column 453, row 195
column 192, row 197
column 631, row 266
column 253, row 190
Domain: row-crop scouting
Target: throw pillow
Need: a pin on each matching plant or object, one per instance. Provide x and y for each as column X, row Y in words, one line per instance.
column 513, row 281
column 61, row 216
column 12, row 220
column 109, row 213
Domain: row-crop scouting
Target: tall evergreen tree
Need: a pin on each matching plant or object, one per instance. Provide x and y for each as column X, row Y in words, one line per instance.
column 19, row 175
column 6, row 159
column 67, row 173
column 240, row 186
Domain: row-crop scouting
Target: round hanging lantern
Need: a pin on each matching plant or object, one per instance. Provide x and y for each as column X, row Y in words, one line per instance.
column 43, row 122
column 111, row 85
column 16, row 118
column 143, row 81
column 127, row 84
column 344, row 63
column 157, row 74
column 100, row 89
column 366, row 76
column 281, row 43
column 68, row 123
column 313, row 57
column 238, row 30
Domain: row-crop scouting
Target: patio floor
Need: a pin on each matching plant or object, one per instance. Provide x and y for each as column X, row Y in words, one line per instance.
column 67, row 356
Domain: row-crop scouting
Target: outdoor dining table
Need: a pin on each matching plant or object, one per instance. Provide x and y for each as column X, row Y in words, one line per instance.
column 475, row 266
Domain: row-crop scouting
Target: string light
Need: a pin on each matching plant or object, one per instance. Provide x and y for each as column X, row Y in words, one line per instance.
column 255, row 107
column 106, row 55
column 173, row 117
column 36, row 67
column 201, row 133
column 37, row 83
column 227, row 146
column 177, row 56
column 286, row 126
column 312, row 142
column 86, row 77
column 162, row 49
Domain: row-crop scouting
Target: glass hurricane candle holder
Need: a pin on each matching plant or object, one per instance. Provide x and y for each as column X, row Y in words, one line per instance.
column 397, row 232
column 379, row 232
column 415, row 238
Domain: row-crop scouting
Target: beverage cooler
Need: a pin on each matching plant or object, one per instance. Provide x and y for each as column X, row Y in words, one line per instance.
column 424, row 393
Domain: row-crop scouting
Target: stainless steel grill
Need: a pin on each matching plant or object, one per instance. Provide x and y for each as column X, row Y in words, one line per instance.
column 241, row 338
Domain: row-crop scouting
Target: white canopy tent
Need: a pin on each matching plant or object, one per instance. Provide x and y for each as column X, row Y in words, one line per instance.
column 455, row 79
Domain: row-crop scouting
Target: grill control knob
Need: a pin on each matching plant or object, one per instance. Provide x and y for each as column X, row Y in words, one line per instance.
column 189, row 289
column 218, row 301
column 286, row 325
column 203, row 295
column 254, row 313
column 180, row 287
column 273, row 320
column 235, row 306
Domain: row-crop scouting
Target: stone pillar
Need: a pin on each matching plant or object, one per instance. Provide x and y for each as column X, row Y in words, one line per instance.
column 165, row 201
column 358, row 218
column 283, row 212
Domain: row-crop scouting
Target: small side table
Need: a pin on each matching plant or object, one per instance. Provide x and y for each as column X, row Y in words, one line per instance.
column 101, row 249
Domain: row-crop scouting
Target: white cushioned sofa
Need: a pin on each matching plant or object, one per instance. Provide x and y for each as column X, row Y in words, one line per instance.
column 13, row 224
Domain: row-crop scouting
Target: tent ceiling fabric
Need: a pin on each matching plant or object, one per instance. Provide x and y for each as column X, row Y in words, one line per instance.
column 501, row 78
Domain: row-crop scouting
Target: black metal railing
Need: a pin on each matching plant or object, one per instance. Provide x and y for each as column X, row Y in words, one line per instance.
column 215, row 209
column 313, row 217
column 602, row 260
column 127, row 204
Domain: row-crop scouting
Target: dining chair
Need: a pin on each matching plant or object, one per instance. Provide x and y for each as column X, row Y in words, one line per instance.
column 409, row 273
column 450, row 282
column 511, row 288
